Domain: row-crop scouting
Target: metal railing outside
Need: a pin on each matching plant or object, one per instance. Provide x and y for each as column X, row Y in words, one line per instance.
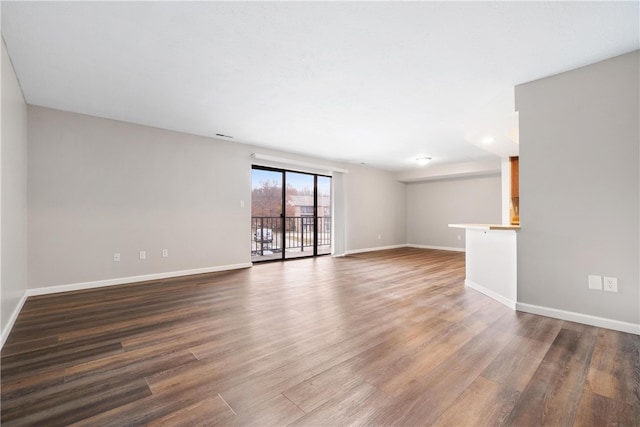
column 267, row 236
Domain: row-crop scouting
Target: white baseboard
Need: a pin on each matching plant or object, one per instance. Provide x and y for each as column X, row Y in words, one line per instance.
column 132, row 279
column 377, row 248
column 439, row 248
column 488, row 292
column 587, row 319
column 408, row 245
column 12, row 320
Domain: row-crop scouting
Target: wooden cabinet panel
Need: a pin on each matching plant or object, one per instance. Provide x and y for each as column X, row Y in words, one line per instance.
column 515, row 177
column 515, row 190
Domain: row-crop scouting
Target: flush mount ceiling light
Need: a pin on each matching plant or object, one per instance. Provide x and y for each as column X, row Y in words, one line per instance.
column 488, row 140
column 423, row 160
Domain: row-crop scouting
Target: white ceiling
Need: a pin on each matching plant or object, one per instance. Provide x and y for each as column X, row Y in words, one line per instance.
column 374, row 82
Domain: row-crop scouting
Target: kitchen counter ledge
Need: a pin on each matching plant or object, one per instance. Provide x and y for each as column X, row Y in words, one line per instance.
column 486, row 226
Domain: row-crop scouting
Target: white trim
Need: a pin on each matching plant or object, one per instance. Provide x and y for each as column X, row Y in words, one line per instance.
column 378, row 248
column 12, row 320
column 269, row 158
column 587, row 319
column 488, row 292
column 439, row 248
column 132, row 279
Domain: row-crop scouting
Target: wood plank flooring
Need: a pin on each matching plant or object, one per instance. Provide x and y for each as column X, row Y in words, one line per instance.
column 382, row 338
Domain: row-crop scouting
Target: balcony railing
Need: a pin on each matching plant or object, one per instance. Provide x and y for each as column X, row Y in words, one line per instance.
column 267, row 235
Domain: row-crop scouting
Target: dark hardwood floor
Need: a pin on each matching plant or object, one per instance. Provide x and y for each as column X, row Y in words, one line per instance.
column 383, row 338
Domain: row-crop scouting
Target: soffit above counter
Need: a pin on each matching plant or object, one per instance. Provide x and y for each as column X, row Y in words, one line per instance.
column 451, row 170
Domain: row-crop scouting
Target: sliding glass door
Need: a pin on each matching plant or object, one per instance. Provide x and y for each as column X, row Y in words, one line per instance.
column 290, row 214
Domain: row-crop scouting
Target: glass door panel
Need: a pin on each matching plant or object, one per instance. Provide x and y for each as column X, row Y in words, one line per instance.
column 266, row 215
column 299, row 215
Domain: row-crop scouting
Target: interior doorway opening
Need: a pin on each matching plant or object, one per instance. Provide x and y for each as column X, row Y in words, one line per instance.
column 290, row 214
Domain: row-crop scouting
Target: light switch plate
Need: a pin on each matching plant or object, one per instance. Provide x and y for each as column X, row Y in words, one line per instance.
column 595, row 282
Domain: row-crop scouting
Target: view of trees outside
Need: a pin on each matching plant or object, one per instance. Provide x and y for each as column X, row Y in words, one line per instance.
column 266, row 200
column 266, row 194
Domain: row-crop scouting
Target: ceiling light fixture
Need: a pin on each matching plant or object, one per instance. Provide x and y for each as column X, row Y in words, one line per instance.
column 423, row 160
column 488, row 140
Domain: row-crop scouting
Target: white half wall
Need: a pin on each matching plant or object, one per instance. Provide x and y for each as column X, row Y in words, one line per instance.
column 580, row 186
column 491, row 264
column 433, row 205
column 13, row 200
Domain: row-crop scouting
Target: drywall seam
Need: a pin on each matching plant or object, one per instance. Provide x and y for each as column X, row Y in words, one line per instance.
column 586, row 319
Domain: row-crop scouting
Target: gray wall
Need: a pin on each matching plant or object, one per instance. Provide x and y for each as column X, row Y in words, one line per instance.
column 99, row 186
column 339, row 214
column 376, row 209
column 13, row 201
column 579, row 162
column 432, row 205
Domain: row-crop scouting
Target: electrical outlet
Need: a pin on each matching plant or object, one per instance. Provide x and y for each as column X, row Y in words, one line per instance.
column 143, row 254
column 611, row 284
column 595, row 282
column 116, row 257
column 379, row 236
column 165, row 253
